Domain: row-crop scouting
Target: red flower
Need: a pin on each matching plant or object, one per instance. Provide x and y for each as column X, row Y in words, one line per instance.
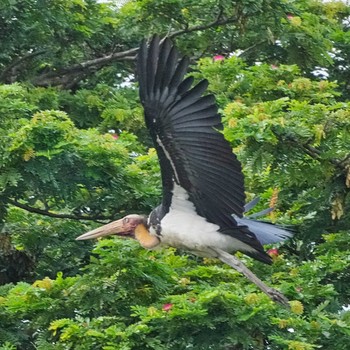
column 290, row 16
column 273, row 252
column 167, row 307
column 218, row 58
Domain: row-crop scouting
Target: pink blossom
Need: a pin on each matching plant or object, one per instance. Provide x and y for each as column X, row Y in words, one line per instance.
column 218, row 58
column 290, row 16
column 167, row 307
column 273, row 252
column 274, row 66
column 115, row 136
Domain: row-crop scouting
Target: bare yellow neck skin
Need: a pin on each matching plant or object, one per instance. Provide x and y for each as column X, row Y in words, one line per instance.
column 145, row 238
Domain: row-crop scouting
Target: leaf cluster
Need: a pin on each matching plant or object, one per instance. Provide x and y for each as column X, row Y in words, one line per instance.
column 292, row 135
column 128, row 298
column 73, row 149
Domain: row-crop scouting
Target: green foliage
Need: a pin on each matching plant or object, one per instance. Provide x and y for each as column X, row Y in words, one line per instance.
column 59, row 26
column 292, row 135
column 50, row 243
column 129, row 298
column 42, row 152
column 104, row 107
column 73, row 149
column 66, row 33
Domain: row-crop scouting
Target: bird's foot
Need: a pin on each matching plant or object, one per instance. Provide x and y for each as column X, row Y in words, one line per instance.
column 238, row 265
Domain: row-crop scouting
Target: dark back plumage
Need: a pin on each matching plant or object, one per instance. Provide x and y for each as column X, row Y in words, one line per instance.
column 184, row 127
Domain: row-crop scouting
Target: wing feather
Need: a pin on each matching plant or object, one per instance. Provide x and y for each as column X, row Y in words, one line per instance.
column 184, row 126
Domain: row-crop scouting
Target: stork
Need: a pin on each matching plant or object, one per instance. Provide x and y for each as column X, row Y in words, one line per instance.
column 203, row 186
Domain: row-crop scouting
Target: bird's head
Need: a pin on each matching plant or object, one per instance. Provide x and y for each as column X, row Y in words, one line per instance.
column 131, row 226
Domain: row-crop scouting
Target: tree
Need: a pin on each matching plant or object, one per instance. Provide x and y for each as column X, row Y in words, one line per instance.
column 73, row 39
column 74, row 151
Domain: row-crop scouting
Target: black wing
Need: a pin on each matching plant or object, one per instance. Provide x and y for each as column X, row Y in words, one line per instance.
column 184, row 126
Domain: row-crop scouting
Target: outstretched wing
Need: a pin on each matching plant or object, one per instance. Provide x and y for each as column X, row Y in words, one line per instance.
column 184, row 126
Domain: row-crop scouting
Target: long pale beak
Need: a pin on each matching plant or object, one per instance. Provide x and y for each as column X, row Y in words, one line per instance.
column 113, row 228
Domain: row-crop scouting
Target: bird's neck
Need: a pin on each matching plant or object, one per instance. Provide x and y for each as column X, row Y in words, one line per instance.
column 144, row 237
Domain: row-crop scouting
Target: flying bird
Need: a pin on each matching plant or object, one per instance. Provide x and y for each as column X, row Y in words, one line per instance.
column 203, row 204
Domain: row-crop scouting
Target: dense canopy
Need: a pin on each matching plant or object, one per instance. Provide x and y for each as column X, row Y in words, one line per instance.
column 75, row 153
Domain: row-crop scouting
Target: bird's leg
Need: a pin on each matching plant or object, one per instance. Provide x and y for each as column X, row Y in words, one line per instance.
column 234, row 262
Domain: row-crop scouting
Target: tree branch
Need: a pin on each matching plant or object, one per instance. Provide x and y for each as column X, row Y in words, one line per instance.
column 4, row 74
column 216, row 23
column 76, row 72
column 314, row 152
column 247, row 51
column 55, row 215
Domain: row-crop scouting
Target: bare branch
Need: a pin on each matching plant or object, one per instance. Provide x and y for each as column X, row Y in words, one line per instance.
column 247, row 51
column 76, row 72
column 218, row 22
column 316, row 154
column 10, row 68
column 55, row 215
column 313, row 152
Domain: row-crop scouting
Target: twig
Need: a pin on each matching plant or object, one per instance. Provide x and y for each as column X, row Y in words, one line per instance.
column 55, row 215
column 213, row 24
column 313, row 152
column 63, row 76
column 19, row 61
column 250, row 48
column 56, row 77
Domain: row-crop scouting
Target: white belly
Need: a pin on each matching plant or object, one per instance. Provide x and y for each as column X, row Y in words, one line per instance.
column 183, row 228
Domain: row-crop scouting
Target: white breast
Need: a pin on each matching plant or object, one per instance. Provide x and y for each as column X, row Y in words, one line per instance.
column 183, row 228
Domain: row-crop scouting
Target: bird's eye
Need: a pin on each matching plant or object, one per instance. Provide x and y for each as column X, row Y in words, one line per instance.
column 125, row 220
